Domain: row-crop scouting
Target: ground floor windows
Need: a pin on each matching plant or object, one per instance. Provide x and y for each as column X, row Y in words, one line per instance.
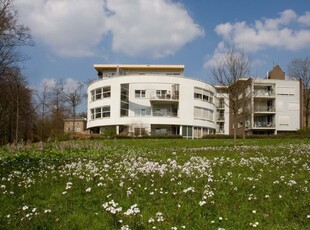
column 199, row 132
column 100, row 112
column 140, row 132
column 137, row 130
column 165, row 130
column 187, row 131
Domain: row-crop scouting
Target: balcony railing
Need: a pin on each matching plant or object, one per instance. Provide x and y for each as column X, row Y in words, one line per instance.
column 220, row 118
column 165, row 97
column 263, row 124
column 264, row 93
column 164, row 114
column 263, row 108
column 221, row 131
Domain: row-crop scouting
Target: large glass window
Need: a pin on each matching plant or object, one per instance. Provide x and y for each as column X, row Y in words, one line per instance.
column 202, row 94
column 101, row 93
column 105, row 111
column 187, row 131
column 124, row 110
column 100, row 112
column 203, row 113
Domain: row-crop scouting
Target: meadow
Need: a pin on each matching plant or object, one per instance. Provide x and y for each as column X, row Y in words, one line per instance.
column 156, row 184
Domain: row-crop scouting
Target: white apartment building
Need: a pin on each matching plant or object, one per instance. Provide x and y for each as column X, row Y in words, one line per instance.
column 158, row 99
column 276, row 104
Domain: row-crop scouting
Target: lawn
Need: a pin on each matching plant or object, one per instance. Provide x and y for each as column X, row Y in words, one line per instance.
column 156, row 184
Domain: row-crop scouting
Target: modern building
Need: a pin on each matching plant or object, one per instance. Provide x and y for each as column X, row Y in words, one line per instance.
column 274, row 105
column 158, row 99
column 150, row 99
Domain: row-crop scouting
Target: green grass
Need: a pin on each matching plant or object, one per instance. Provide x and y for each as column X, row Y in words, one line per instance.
column 167, row 184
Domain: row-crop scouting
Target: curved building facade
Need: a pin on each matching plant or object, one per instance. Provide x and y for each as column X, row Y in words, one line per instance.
column 150, row 99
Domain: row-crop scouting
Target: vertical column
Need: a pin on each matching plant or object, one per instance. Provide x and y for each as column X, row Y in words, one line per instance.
column 117, row 129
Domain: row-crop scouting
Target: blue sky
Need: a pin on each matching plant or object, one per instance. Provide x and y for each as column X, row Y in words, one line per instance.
column 72, row 35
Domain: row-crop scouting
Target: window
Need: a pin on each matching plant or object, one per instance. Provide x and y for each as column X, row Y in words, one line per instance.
column 140, row 93
column 105, row 111
column 100, row 112
column 161, row 93
column 142, row 112
column 187, row 131
column 100, row 93
column 124, row 106
column 203, row 114
column 97, row 113
column 140, row 131
column 202, row 94
column 106, row 92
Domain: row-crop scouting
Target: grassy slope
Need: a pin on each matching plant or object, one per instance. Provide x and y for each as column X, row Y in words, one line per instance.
column 263, row 181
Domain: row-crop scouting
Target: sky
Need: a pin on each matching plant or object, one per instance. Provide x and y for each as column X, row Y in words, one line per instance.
column 72, row 35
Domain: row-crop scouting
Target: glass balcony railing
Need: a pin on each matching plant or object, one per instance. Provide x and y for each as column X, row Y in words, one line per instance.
column 165, row 97
column 263, row 124
column 164, row 114
column 264, row 93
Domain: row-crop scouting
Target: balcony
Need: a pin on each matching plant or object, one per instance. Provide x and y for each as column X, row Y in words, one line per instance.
column 221, row 106
column 263, row 124
column 221, row 118
column 264, row 109
column 164, row 114
column 263, row 93
column 165, row 99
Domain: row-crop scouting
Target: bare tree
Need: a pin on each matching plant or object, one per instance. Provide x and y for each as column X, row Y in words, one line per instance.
column 43, row 95
column 15, row 98
column 230, row 72
column 74, row 97
column 299, row 69
column 58, row 108
column 12, row 36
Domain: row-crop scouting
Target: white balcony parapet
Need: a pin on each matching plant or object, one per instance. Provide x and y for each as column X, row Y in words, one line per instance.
column 263, row 108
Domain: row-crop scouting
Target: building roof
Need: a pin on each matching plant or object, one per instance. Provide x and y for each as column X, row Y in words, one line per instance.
column 100, row 67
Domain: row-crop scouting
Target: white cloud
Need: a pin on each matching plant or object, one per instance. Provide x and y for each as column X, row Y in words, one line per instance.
column 217, row 56
column 156, row 28
column 69, row 27
column 287, row 32
column 305, row 19
column 138, row 27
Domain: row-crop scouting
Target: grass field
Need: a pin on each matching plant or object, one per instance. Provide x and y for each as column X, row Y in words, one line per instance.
column 156, row 184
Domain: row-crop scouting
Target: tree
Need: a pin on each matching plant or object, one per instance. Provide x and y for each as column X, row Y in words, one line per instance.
column 43, row 95
column 12, row 36
column 58, row 108
column 74, row 97
column 299, row 69
column 16, row 108
column 229, row 73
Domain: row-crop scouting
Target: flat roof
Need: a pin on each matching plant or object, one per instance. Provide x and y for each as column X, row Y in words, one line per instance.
column 138, row 67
